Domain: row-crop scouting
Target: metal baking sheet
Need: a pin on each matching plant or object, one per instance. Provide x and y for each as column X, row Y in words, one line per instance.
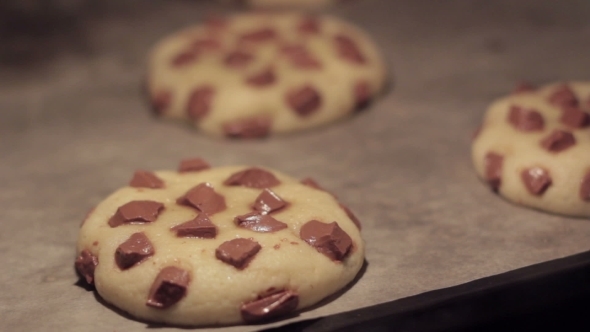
column 74, row 126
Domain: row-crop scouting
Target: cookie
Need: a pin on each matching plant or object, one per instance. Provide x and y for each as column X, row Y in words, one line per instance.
column 214, row 246
column 532, row 148
column 251, row 75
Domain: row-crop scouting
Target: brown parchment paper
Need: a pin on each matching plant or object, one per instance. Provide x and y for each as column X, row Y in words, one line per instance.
column 73, row 128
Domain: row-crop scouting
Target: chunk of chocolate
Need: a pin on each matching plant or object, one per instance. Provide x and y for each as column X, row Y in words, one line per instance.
column 262, row 223
column 525, row 120
column 309, row 25
column 312, row 183
column 237, row 252
column 268, row 201
column 260, row 35
column 351, row 215
column 168, row 288
column 203, row 198
column 304, row 100
column 493, row 170
column 536, row 180
column 133, row 251
column 585, row 188
column 238, row 59
column 252, row 178
column 193, row 165
column 200, row 227
column 146, row 179
column 523, row 87
column 199, row 102
column 184, row 58
column 348, row 49
column 558, row 141
column 136, row 212
column 263, row 79
column 270, row 306
column 253, row 127
column 563, row 96
column 85, row 264
column 300, row 57
column 328, row 239
column 362, row 95
column 160, row 101
column 574, row 117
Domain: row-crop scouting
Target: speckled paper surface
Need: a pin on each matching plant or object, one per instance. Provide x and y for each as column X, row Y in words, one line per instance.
column 73, row 128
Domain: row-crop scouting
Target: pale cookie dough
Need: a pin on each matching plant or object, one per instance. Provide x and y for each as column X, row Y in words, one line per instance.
column 215, row 246
column 250, row 75
column 533, row 145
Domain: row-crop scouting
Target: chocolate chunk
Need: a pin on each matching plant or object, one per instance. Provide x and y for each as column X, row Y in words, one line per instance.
column 262, row 223
column 536, row 180
column 238, row 59
column 351, row 215
column 268, row 201
column 270, row 306
column 85, row 264
column 136, row 212
column 200, row 227
column 263, row 79
column 253, row 127
column 183, row 58
column 304, row 101
column 203, row 198
column 312, row 183
column 563, row 96
column 261, row 35
column 525, row 120
column 574, row 117
column 193, row 165
column 558, row 141
column 328, row 239
column 349, row 50
column 362, row 95
column 199, row 102
column 133, row 251
column 523, row 87
column 300, row 57
column 168, row 288
column 237, row 252
column 146, row 179
column 161, row 101
column 309, row 25
column 585, row 188
column 493, row 169
column 252, row 178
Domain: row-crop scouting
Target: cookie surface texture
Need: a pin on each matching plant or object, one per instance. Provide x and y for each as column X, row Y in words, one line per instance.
column 532, row 148
column 255, row 74
column 216, row 246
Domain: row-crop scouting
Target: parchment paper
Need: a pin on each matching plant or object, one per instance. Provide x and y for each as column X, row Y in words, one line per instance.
column 73, row 128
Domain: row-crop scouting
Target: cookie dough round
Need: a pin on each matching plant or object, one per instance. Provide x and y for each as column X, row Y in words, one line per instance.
column 214, row 246
column 532, row 148
column 250, row 75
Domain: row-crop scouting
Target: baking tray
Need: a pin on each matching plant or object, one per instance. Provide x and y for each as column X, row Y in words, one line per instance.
column 73, row 128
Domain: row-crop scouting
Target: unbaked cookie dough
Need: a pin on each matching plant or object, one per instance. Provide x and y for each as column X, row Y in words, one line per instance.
column 250, row 75
column 215, row 246
column 532, row 148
